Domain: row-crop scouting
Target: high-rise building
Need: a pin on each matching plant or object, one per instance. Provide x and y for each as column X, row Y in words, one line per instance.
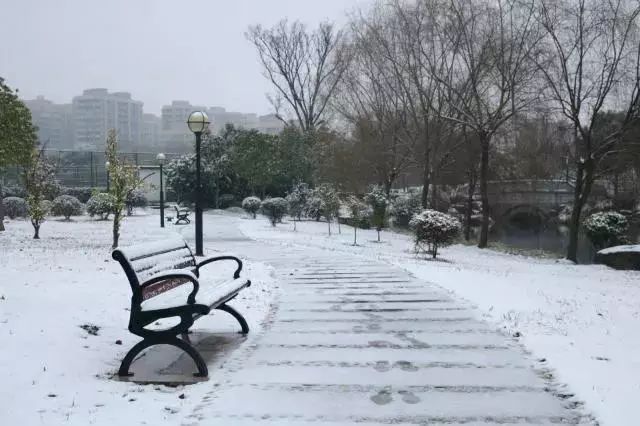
column 96, row 111
column 150, row 131
column 53, row 122
column 175, row 134
column 175, row 116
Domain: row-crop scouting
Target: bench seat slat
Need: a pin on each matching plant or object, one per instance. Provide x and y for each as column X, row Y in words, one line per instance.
column 211, row 294
column 152, row 248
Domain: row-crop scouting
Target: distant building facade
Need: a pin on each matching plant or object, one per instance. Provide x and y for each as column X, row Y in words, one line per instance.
column 55, row 130
column 96, row 111
column 151, row 125
column 84, row 123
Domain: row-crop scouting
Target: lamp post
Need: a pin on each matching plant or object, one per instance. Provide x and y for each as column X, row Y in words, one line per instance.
column 198, row 122
column 160, row 158
column 106, row 167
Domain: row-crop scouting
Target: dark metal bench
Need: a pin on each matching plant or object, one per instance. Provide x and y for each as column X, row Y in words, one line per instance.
column 182, row 214
column 157, row 273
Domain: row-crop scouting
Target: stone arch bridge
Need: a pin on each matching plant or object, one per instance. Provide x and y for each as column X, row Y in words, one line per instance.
column 527, row 203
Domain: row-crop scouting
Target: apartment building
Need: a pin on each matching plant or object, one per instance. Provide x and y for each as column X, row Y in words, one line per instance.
column 53, row 121
column 151, row 125
column 96, row 111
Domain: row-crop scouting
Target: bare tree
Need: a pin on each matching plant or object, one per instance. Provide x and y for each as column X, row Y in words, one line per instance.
column 370, row 99
column 593, row 64
column 489, row 77
column 303, row 66
column 420, row 54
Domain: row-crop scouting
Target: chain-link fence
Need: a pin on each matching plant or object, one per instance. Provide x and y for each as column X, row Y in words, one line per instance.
column 83, row 168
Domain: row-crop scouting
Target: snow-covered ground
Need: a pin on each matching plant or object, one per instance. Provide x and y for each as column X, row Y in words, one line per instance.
column 583, row 321
column 53, row 371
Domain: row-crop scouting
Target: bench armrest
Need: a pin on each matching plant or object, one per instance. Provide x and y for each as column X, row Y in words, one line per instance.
column 174, row 274
column 211, row 259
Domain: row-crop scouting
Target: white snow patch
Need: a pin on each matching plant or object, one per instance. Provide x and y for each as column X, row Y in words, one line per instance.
column 621, row 249
column 55, row 372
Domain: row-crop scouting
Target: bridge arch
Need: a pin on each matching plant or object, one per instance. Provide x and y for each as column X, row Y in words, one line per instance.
column 524, row 217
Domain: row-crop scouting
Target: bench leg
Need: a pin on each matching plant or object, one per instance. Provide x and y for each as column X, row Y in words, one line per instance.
column 237, row 316
column 181, row 344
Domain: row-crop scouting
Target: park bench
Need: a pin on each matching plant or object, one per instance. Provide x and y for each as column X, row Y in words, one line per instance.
column 182, row 214
column 165, row 279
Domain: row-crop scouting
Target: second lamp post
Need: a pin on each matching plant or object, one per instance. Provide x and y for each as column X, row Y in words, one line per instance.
column 160, row 158
column 198, row 122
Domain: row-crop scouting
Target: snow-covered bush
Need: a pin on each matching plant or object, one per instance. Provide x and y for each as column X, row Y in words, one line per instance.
column 135, row 198
column 12, row 191
column 313, row 206
column 67, row 206
column 251, row 205
column 377, row 199
column 274, row 209
column 82, row 193
column 606, row 229
column 434, row 229
column 47, row 206
column 101, row 204
column 15, row 207
column 297, row 199
column 404, row 207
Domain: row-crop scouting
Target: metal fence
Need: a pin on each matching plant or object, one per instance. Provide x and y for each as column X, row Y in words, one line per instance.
column 84, row 168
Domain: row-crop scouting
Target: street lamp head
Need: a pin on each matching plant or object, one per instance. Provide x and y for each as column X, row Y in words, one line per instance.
column 106, row 164
column 160, row 158
column 198, row 121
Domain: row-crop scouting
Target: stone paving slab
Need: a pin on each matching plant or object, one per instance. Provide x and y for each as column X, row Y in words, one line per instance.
column 402, row 404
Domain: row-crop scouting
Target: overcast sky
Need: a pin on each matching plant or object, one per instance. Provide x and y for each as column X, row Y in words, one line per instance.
column 159, row 50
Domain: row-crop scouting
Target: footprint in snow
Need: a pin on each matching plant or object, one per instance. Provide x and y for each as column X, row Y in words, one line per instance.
column 382, row 398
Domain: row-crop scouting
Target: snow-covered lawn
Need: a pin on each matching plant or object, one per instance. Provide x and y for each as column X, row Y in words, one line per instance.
column 583, row 321
column 53, row 371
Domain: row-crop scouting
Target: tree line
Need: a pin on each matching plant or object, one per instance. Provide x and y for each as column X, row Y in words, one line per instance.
column 464, row 87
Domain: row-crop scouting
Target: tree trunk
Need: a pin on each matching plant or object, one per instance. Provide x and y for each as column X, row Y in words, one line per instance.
column 329, row 223
column 116, row 229
column 484, row 172
column 355, row 235
column 1, row 210
column 294, row 223
column 469, row 210
column 426, row 180
column 339, row 230
column 388, row 182
column 36, row 228
column 378, row 229
column 434, row 197
column 434, row 251
column 582, row 189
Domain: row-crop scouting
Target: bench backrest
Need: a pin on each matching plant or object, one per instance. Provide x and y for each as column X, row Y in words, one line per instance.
column 141, row 261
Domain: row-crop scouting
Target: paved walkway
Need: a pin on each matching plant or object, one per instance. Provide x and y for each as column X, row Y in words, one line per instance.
column 358, row 341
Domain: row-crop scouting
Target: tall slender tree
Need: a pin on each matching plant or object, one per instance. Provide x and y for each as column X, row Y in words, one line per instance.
column 592, row 63
column 17, row 134
column 124, row 180
column 490, row 73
